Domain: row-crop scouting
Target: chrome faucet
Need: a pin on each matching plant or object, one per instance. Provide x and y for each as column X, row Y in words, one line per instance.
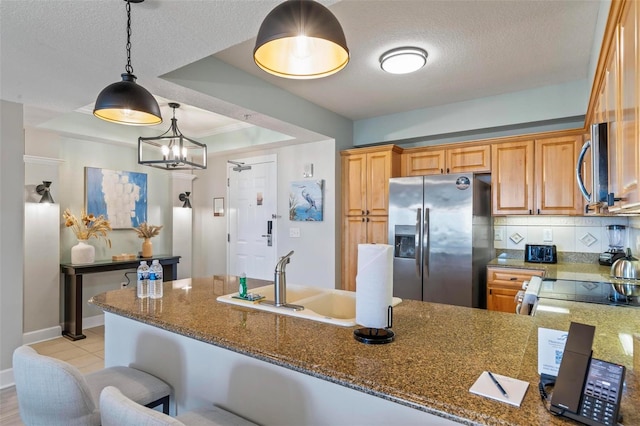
column 280, row 285
column 280, row 279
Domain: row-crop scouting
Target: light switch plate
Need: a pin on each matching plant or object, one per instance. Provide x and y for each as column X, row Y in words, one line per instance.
column 498, row 234
column 294, row 232
column 547, row 235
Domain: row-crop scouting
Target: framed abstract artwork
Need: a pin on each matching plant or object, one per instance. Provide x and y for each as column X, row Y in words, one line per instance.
column 306, row 200
column 118, row 195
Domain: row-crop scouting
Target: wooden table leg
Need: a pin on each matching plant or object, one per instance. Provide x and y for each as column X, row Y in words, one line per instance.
column 72, row 328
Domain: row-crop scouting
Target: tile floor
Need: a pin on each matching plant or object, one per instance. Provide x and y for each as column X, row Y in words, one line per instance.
column 86, row 354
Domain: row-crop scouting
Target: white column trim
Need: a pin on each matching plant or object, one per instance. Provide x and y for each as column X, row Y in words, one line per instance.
column 32, row 159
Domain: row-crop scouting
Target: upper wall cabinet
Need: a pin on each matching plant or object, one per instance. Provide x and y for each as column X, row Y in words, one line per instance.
column 429, row 161
column 536, row 177
column 365, row 181
column 622, row 90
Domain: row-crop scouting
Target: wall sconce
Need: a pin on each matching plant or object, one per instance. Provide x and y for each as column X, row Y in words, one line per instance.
column 45, row 190
column 185, row 197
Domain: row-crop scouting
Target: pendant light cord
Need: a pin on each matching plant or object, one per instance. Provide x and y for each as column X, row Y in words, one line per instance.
column 128, row 67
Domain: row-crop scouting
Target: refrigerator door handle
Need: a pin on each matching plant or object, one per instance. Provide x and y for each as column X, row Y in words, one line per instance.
column 418, row 241
column 425, row 237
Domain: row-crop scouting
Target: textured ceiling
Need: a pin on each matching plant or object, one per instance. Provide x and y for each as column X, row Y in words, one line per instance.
column 56, row 55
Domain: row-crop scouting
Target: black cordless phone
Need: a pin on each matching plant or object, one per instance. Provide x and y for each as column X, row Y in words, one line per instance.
column 587, row 390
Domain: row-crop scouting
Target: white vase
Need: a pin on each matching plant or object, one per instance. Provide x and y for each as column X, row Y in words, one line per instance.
column 83, row 252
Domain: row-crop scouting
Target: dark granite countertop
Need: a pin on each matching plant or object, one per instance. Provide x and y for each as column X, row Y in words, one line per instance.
column 435, row 344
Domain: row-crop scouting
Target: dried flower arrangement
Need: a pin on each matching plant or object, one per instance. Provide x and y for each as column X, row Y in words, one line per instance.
column 147, row 231
column 88, row 226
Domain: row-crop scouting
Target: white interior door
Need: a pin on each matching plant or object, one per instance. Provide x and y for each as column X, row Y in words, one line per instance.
column 252, row 195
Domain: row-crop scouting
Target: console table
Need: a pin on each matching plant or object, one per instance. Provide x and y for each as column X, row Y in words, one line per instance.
column 72, row 291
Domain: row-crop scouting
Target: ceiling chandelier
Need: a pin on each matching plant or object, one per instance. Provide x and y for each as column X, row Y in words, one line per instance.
column 301, row 39
column 126, row 102
column 172, row 150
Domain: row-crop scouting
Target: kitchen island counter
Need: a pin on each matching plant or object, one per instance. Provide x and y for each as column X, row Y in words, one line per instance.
column 439, row 351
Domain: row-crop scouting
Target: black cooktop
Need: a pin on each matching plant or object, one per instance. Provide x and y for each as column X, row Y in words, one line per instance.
column 585, row 291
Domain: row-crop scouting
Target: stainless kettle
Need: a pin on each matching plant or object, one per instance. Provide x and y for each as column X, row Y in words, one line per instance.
column 626, row 274
column 627, row 267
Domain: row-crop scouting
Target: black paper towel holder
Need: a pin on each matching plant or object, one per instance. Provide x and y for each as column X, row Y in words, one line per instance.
column 376, row 336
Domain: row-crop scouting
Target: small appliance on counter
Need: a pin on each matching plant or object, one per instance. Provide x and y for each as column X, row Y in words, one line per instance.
column 617, row 236
column 540, row 253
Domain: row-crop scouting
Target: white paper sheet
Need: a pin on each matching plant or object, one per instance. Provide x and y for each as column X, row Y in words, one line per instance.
column 550, row 349
column 515, row 388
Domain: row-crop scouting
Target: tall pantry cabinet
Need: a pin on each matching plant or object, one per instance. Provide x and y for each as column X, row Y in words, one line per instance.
column 365, row 200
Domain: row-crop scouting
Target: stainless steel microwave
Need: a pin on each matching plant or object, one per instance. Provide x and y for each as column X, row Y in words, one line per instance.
column 598, row 144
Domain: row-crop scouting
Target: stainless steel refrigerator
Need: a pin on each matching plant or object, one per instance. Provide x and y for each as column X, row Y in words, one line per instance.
column 442, row 232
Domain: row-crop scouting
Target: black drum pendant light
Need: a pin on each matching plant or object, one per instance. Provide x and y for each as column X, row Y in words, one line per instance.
column 126, row 102
column 301, row 39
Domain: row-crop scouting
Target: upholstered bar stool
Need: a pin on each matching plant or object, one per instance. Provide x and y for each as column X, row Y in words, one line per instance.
column 53, row 392
column 117, row 410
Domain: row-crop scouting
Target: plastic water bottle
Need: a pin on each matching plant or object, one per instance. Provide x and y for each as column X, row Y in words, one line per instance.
column 155, row 280
column 143, row 280
column 242, row 288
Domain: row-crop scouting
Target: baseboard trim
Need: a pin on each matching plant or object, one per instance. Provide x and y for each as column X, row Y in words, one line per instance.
column 94, row 321
column 6, row 378
column 41, row 335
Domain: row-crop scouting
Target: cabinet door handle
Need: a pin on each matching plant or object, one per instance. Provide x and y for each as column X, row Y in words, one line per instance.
column 441, row 171
column 362, row 211
column 363, row 219
column 538, row 211
column 513, row 278
column 530, row 212
column 490, row 291
column 367, row 219
column 447, row 170
column 367, row 212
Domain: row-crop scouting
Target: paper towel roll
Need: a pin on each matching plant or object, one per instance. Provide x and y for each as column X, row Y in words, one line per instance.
column 374, row 284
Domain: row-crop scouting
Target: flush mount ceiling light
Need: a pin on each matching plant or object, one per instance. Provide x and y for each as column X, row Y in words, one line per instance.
column 172, row 150
column 126, row 102
column 301, row 39
column 403, row 60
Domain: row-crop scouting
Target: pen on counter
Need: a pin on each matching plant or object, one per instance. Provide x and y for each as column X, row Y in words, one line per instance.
column 497, row 383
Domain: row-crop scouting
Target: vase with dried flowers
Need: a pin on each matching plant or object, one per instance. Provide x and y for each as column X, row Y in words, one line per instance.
column 147, row 232
column 87, row 226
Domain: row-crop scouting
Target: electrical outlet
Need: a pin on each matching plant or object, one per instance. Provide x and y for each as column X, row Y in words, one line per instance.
column 498, row 234
column 294, row 232
column 547, row 235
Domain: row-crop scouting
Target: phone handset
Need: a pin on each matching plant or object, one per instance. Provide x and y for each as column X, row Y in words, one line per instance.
column 587, row 390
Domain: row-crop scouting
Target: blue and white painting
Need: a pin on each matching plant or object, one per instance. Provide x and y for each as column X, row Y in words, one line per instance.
column 306, row 200
column 120, row 196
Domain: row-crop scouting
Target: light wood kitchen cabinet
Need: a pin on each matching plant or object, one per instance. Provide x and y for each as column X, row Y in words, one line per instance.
column 622, row 87
column 365, row 180
column 365, row 194
column 536, row 177
column 429, row 161
column 512, row 178
column 359, row 230
column 555, row 176
column 503, row 284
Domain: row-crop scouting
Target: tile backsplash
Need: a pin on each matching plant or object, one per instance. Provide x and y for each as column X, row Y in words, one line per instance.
column 586, row 234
